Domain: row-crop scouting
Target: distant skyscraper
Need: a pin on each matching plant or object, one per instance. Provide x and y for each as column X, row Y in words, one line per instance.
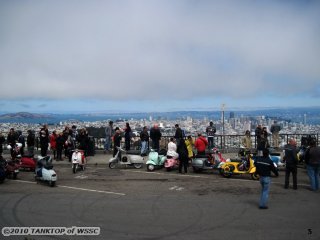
column 231, row 114
column 305, row 118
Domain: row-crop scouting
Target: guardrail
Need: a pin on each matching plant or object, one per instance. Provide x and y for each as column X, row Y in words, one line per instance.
column 227, row 143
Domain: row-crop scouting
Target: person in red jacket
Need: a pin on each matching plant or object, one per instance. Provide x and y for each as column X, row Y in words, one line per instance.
column 201, row 144
column 53, row 143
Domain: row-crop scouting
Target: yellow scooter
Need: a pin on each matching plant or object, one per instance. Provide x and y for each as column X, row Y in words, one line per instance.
column 243, row 166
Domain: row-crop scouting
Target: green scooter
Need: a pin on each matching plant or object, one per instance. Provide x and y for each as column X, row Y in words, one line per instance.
column 155, row 159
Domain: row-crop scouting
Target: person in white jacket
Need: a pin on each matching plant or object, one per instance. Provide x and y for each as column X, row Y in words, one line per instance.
column 172, row 149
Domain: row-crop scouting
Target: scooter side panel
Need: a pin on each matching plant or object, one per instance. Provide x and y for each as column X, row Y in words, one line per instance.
column 136, row 159
column 198, row 162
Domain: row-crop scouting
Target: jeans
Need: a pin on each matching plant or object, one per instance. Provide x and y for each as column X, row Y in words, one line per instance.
column 265, row 184
column 313, row 173
column 107, row 144
column 210, row 142
column 144, row 145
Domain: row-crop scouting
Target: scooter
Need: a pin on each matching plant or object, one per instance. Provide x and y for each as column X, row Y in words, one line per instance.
column 245, row 166
column 171, row 163
column 155, row 160
column 26, row 162
column 214, row 160
column 78, row 160
column 126, row 160
column 44, row 171
column 12, row 167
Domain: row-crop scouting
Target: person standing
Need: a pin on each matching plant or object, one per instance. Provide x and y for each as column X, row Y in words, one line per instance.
column 155, row 136
column 31, row 141
column 291, row 160
column 127, row 136
column 258, row 134
column 44, row 140
column 312, row 159
column 183, row 156
column 116, row 141
column 60, row 144
column 2, row 141
column 211, row 131
column 12, row 139
column 144, row 137
column 178, row 134
column 83, row 140
column 21, row 140
column 53, row 143
column 264, row 167
column 190, row 143
column 246, row 140
column 275, row 129
column 109, row 134
column 201, row 144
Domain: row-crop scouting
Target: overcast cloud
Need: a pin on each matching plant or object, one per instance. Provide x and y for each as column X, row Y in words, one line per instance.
column 141, row 51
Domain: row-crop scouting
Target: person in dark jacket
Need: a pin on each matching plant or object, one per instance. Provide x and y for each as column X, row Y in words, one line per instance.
column 44, row 140
column 83, row 140
column 155, row 136
column 127, row 136
column 291, row 160
column 183, row 156
column 12, row 139
column 312, row 159
column 31, row 141
column 144, row 137
column 60, row 141
column 264, row 167
column 21, row 140
column 2, row 141
column 116, row 141
column 178, row 134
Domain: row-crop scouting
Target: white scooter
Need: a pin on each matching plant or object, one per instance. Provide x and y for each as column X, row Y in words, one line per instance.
column 126, row 159
column 78, row 160
column 44, row 171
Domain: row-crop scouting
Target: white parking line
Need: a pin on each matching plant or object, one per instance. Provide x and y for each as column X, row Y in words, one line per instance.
column 76, row 188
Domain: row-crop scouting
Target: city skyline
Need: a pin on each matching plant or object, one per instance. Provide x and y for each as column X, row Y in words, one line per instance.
column 144, row 56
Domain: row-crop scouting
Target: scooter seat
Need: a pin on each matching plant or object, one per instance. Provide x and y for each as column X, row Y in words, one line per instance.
column 48, row 166
column 28, row 155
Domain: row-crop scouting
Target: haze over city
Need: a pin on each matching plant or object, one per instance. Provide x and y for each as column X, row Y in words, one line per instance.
column 62, row 56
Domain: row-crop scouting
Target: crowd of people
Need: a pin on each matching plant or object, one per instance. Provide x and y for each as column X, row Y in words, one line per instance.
column 57, row 142
column 180, row 146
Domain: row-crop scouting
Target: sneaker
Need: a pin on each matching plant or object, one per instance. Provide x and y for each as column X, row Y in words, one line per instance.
column 263, row 207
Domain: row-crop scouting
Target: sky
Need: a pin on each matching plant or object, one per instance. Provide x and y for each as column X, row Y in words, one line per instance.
column 158, row 55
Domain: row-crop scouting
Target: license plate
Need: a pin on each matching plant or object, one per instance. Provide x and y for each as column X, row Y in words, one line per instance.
column 16, row 171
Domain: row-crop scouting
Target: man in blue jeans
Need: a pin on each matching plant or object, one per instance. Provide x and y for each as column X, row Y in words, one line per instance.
column 264, row 167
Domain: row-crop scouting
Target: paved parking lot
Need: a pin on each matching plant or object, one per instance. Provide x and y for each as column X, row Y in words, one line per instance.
column 130, row 203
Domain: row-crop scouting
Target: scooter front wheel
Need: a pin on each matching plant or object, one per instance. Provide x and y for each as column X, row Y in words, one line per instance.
column 74, row 168
column 112, row 165
column 226, row 171
column 255, row 176
column 150, row 167
column 137, row 165
column 52, row 183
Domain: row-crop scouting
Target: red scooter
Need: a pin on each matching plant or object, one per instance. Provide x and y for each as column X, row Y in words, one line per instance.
column 26, row 162
column 12, row 169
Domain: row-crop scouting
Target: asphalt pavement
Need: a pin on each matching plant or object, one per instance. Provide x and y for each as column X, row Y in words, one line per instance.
column 128, row 203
